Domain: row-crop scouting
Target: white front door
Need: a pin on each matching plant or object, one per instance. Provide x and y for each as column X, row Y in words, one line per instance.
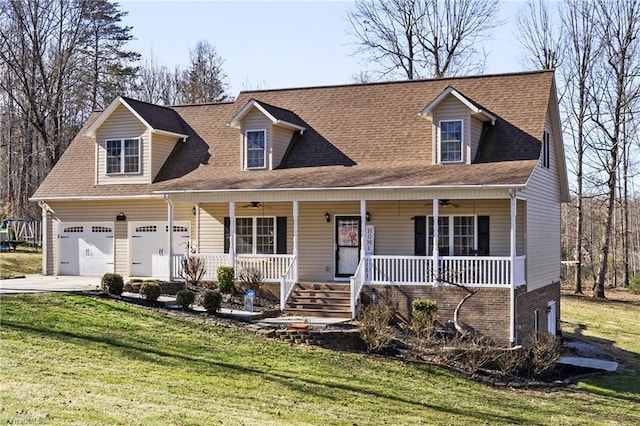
column 551, row 318
column 347, row 245
column 85, row 248
column 148, row 247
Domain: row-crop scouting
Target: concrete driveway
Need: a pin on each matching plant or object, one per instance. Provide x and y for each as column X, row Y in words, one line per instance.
column 41, row 283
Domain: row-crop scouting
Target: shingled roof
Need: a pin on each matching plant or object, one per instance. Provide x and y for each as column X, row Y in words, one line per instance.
column 356, row 136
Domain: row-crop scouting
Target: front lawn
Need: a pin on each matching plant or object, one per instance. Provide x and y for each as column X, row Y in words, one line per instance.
column 70, row 359
column 20, row 262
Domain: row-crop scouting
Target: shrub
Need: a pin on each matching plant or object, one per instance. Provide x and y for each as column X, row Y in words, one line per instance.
column 150, row 290
column 374, row 327
column 634, row 284
column 424, row 305
column 212, row 301
column 423, row 315
column 133, row 286
column 225, row 276
column 112, row 284
column 185, row 298
column 544, row 353
column 192, row 269
column 251, row 279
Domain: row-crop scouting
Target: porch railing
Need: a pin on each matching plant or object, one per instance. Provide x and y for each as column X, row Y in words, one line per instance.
column 287, row 281
column 271, row 266
column 356, row 282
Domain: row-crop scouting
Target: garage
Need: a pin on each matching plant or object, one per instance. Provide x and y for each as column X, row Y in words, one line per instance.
column 85, row 248
column 148, row 247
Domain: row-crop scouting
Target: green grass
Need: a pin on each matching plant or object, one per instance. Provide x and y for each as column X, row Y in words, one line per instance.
column 20, row 262
column 70, row 359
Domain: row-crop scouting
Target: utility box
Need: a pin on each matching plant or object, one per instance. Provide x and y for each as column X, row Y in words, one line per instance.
column 249, row 296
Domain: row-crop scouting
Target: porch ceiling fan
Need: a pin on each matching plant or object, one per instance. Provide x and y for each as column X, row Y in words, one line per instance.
column 445, row 202
column 255, row 205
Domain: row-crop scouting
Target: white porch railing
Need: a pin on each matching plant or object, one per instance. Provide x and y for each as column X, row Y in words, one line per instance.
column 272, row 266
column 287, row 281
column 356, row 282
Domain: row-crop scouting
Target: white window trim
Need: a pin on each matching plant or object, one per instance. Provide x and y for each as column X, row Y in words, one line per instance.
column 122, row 157
column 451, row 235
column 254, row 233
column 246, row 149
column 462, row 144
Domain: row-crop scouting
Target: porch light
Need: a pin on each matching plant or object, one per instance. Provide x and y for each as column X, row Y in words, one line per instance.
column 121, row 217
column 327, row 217
column 368, row 217
column 193, row 210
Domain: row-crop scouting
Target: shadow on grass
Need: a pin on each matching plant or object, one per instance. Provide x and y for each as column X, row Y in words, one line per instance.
column 295, row 383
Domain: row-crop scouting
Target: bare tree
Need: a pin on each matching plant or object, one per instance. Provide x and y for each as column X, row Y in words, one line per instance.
column 540, row 37
column 421, row 38
column 204, row 80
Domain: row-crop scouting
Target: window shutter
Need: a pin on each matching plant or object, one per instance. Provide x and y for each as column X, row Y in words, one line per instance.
column 483, row 235
column 227, row 233
column 420, row 236
column 281, row 239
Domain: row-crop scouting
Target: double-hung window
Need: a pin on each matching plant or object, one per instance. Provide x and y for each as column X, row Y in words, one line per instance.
column 255, row 235
column 456, row 240
column 451, row 141
column 123, row 156
column 255, row 151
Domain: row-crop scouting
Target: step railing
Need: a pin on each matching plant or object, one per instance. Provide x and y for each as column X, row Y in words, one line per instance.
column 356, row 282
column 287, row 282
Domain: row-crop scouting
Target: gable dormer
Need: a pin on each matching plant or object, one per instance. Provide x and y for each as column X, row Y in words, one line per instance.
column 266, row 132
column 457, row 124
column 133, row 140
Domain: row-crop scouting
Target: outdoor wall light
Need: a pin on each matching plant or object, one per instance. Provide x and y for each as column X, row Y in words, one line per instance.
column 327, row 217
column 368, row 217
column 121, row 217
column 193, row 210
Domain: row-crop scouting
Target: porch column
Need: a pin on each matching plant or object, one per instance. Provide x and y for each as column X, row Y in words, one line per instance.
column 44, row 239
column 170, row 236
column 295, row 239
column 512, row 270
column 363, row 224
column 232, row 232
column 436, row 252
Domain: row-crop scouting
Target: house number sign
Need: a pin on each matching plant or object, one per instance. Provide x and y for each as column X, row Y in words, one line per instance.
column 369, row 234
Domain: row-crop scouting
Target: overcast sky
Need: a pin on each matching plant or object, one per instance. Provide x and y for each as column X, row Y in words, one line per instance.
column 268, row 44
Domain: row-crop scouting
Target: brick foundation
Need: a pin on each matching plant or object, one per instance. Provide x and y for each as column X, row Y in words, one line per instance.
column 528, row 302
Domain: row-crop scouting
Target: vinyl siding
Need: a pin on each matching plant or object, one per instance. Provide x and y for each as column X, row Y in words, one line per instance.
column 161, row 147
column 123, row 124
column 255, row 120
column 452, row 109
column 281, row 139
column 106, row 211
column 543, row 221
column 474, row 137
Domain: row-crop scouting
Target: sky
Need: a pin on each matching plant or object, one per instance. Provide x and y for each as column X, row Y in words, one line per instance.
column 275, row 44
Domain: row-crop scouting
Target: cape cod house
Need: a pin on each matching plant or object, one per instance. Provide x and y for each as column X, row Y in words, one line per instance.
column 400, row 187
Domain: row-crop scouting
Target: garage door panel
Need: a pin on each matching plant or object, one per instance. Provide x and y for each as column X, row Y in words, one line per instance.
column 85, row 248
column 148, row 244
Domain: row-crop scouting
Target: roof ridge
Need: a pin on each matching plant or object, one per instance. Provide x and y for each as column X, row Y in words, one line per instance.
column 127, row 98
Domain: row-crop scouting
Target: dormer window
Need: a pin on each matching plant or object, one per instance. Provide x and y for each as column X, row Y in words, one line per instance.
column 451, row 141
column 123, row 156
column 255, row 151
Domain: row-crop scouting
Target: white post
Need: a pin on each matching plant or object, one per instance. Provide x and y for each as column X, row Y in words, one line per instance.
column 363, row 224
column 232, row 233
column 434, row 243
column 512, row 272
column 170, row 236
column 295, row 240
column 44, row 240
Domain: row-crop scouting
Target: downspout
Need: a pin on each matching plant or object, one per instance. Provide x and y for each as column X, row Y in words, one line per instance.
column 512, row 271
column 169, row 234
column 44, row 229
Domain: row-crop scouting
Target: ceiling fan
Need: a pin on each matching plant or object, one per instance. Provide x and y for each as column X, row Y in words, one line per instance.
column 255, row 205
column 445, row 202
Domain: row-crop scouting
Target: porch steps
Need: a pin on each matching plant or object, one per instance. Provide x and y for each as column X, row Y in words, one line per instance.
column 319, row 300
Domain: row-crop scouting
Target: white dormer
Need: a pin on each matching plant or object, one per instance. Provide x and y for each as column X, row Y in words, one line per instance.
column 456, row 127
column 266, row 132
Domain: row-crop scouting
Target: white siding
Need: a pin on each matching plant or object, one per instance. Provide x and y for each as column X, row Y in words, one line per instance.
column 101, row 211
column 281, row 139
column 161, row 147
column 256, row 120
column 543, row 221
column 452, row 109
column 123, row 124
column 474, row 136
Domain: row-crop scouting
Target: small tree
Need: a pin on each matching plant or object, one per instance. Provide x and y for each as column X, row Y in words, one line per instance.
column 251, row 279
column 193, row 269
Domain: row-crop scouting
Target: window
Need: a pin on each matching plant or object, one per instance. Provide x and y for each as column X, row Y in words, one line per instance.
column 256, row 153
column 456, row 240
column 255, row 235
column 123, row 156
column 450, row 141
column 545, row 150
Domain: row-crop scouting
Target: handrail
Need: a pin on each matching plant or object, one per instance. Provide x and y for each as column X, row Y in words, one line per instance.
column 356, row 282
column 287, row 282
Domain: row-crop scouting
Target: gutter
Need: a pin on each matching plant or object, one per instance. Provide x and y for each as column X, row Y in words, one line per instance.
column 97, row 198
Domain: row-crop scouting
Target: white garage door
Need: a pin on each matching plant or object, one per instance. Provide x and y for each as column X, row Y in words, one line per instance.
column 85, row 248
column 148, row 247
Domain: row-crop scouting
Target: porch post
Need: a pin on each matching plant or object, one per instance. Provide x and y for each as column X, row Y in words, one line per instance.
column 44, row 238
column 295, row 239
column 512, row 270
column 363, row 225
column 232, row 233
column 434, row 243
column 170, row 236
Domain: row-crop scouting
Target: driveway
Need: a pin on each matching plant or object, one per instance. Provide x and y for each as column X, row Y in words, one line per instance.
column 41, row 283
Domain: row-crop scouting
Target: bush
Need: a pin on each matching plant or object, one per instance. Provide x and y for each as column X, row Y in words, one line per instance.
column 150, row 290
column 133, row 286
column 634, row 284
column 193, row 269
column 374, row 327
column 112, row 284
column 423, row 315
column 251, row 279
column 212, row 301
column 544, row 353
column 185, row 298
column 424, row 305
column 225, row 276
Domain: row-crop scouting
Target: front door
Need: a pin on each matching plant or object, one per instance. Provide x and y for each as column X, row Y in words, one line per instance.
column 347, row 245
